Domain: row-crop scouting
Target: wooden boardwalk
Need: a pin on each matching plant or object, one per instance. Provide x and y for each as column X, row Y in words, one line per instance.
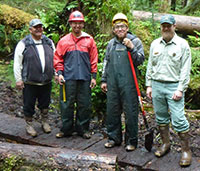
column 13, row 128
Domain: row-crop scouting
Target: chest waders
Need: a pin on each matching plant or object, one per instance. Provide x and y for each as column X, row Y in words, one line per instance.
column 121, row 97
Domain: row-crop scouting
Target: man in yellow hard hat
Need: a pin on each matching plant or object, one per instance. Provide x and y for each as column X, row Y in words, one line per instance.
column 118, row 83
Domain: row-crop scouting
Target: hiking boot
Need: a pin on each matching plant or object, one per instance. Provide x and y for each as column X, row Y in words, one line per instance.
column 60, row 135
column 86, row 135
column 130, row 148
column 165, row 147
column 186, row 157
column 110, row 144
column 46, row 127
column 30, row 130
column 29, row 127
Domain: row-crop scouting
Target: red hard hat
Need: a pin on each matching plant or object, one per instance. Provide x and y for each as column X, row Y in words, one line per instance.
column 76, row 16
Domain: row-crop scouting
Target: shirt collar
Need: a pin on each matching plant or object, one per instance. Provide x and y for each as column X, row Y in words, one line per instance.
column 173, row 40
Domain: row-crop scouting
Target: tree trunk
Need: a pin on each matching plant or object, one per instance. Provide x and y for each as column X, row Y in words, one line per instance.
column 173, row 5
column 192, row 6
column 184, row 3
column 164, row 5
column 184, row 24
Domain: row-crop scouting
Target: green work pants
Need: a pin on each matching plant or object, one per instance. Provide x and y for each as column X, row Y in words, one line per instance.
column 78, row 96
column 167, row 109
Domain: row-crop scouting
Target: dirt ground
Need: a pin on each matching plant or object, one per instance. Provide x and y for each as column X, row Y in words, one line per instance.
column 11, row 103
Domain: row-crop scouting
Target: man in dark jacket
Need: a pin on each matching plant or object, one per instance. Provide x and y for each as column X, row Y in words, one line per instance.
column 118, row 82
column 33, row 70
column 75, row 62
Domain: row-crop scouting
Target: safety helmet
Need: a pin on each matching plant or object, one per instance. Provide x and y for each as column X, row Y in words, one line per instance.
column 76, row 16
column 119, row 16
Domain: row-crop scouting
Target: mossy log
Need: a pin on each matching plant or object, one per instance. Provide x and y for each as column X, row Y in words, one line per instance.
column 14, row 17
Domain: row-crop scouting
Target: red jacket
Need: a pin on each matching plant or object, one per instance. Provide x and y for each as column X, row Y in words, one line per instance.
column 76, row 58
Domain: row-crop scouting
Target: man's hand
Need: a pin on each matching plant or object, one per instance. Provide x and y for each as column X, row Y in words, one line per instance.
column 104, row 87
column 93, row 83
column 20, row 85
column 177, row 95
column 128, row 43
column 56, row 78
column 61, row 79
column 149, row 92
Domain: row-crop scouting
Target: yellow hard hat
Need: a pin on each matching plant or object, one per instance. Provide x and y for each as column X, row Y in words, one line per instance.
column 120, row 16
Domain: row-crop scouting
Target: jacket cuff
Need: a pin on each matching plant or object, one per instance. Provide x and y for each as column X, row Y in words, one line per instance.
column 60, row 72
column 94, row 75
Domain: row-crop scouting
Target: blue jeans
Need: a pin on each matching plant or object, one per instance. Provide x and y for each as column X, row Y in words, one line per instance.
column 167, row 109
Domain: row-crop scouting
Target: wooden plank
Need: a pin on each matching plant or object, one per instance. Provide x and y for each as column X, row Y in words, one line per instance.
column 171, row 162
column 14, row 128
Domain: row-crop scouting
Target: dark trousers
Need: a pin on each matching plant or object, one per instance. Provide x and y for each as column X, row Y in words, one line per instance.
column 31, row 93
column 78, row 96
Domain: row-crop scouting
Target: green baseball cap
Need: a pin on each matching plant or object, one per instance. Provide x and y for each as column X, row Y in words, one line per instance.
column 168, row 18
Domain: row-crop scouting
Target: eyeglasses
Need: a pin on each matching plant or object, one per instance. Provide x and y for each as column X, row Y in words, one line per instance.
column 123, row 27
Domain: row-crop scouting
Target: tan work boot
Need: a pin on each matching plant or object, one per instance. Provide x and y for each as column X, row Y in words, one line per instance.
column 186, row 157
column 86, row 135
column 45, row 126
column 60, row 135
column 165, row 147
column 130, row 147
column 29, row 127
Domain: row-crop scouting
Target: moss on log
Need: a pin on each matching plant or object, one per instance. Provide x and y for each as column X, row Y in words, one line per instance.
column 14, row 17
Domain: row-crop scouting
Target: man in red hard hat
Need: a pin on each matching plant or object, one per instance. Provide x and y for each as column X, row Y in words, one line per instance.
column 75, row 62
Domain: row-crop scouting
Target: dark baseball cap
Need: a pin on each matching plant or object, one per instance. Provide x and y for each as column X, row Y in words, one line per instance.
column 168, row 18
column 35, row 22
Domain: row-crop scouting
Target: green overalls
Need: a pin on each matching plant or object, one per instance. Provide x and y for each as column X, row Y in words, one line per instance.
column 121, row 96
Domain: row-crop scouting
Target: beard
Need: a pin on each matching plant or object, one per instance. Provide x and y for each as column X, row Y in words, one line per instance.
column 167, row 35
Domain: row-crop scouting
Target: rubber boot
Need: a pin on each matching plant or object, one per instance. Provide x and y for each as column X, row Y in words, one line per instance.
column 186, row 157
column 45, row 126
column 29, row 127
column 165, row 147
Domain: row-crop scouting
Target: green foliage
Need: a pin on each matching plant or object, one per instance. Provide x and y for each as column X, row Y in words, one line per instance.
column 194, row 40
column 98, row 97
column 193, row 93
column 12, row 27
column 52, row 23
column 10, row 163
column 10, row 75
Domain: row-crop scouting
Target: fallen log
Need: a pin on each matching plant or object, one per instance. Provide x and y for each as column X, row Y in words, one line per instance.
column 192, row 111
column 58, row 158
column 184, row 24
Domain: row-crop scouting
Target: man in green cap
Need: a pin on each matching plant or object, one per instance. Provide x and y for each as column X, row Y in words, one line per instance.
column 167, row 77
column 118, row 83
